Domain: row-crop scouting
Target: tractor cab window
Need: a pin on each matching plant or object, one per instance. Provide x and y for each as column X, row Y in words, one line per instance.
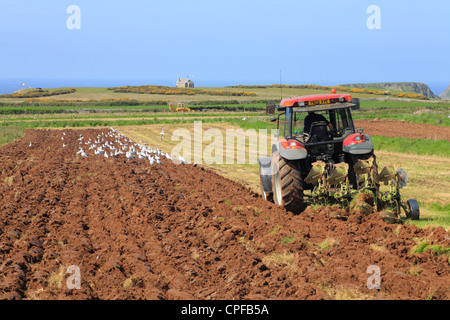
column 297, row 123
column 286, row 120
column 302, row 121
column 341, row 121
column 281, row 125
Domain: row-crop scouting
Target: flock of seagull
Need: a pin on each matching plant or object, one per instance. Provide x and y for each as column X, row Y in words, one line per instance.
column 113, row 144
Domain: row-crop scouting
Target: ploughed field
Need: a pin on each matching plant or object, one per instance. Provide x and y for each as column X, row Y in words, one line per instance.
column 129, row 229
column 395, row 128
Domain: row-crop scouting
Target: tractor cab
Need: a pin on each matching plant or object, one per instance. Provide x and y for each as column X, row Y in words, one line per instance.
column 302, row 117
column 322, row 124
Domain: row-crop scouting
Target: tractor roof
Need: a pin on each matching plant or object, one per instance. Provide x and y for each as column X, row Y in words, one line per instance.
column 315, row 99
column 318, row 102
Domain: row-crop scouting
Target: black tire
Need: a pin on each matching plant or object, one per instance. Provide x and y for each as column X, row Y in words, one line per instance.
column 287, row 184
column 413, row 211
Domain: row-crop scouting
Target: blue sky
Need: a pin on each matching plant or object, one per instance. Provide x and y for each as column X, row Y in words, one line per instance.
column 226, row 42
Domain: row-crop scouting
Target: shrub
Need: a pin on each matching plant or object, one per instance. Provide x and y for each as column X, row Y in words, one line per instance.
column 35, row 93
column 147, row 89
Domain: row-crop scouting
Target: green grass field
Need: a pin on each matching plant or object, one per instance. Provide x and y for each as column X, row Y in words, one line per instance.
column 8, row 134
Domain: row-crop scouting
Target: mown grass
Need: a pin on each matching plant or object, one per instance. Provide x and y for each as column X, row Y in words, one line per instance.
column 120, row 106
column 432, row 214
column 127, row 116
column 105, row 122
column 9, row 134
column 439, row 148
column 417, row 112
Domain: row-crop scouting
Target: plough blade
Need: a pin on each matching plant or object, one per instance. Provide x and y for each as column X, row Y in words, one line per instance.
column 331, row 185
column 387, row 174
column 365, row 171
column 363, row 166
column 339, row 174
column 316, row 173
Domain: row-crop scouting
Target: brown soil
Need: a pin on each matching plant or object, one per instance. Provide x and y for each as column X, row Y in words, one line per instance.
column 138, row 231
column 394, row 128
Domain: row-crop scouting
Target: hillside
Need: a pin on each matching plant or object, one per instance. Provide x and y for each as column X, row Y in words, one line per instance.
column 445, row 94
column 238, row 93
column 420, row 88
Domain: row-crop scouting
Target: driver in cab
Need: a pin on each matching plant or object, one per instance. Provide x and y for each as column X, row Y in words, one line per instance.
column 315, row 117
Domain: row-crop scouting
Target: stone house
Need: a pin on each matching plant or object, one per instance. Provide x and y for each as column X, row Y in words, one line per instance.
column 185, row 83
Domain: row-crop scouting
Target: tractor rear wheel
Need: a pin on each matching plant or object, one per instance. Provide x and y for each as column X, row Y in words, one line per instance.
column 287, row 183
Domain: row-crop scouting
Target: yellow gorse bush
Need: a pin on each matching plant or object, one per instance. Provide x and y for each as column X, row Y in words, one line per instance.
column 74, row 100
column 36, row 93
column 176, row 91
column 338, row 88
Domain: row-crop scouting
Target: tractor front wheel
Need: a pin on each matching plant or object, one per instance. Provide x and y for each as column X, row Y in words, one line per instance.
column 287, row 184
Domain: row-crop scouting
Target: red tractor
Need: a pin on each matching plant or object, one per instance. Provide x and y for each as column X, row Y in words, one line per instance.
column 319, row 149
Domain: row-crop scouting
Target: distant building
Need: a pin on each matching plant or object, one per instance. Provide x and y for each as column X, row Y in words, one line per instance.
column 185, row 83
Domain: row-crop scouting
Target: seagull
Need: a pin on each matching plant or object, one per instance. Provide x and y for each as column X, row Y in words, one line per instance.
column 30, row 145
column 141, row 156
column 23, row 84
column 82, row 153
